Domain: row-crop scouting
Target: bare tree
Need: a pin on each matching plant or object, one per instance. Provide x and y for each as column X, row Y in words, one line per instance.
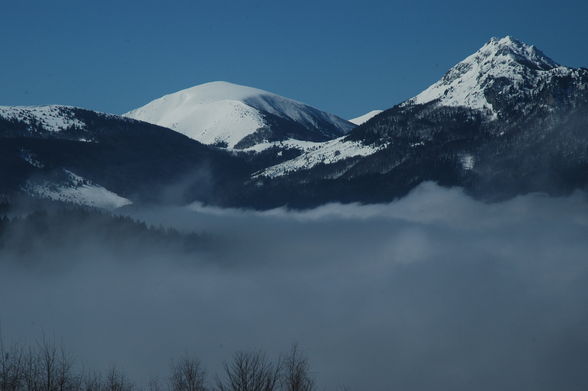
column 53, row 369
column 296, row 372
column 117, row 381
column 154, row 384
column 66, row 379
column 47, row 360
column 187, row 375
column 249, row 372
column 31, row 376
column 11, row 367
column 45, row 367
column 91, row 382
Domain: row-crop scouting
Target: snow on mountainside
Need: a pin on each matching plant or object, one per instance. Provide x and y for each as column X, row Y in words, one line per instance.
column 508, row 65
column 221, row 112
column 505, row 121
column 300, row 145
column 494, row 79
column 115, row 156
column 366, row 117
column 321, row 153
column 51, row 118
column 77, row 190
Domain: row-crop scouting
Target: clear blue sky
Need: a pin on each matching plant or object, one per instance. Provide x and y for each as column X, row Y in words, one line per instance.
column 346, row 57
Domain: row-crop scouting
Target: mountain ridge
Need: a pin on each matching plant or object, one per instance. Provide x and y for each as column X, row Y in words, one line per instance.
column 507, row 120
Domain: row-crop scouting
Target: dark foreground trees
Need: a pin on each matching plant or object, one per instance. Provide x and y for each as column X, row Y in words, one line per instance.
column 45, row 367
column 296, row 374
column 187, row 375
column 249, row 372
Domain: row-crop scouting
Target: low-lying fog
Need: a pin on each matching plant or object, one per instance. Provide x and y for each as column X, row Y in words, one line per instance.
column 434, row 291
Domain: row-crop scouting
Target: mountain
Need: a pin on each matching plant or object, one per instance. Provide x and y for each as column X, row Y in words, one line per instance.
column 502, row 68
column 506, row 120
column 239, row 117
column 364, row 118
column 85, row 157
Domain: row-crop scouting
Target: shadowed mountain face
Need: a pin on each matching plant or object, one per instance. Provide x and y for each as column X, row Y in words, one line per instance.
column 86, row 157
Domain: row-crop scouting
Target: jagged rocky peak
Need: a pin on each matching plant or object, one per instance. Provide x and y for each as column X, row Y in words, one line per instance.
column 503, row 68
column 508, row 48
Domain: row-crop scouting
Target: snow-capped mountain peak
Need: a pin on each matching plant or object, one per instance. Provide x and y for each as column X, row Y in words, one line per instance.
column 501, row 59
column 216, row 90
column 227, row 113
column 515, row 50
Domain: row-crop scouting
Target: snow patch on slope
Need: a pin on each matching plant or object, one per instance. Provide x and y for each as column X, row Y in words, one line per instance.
column 301, row 145
column 77, row 190
column 327, row 152
column 52, row 118
column 364, row 118
column 467, row 162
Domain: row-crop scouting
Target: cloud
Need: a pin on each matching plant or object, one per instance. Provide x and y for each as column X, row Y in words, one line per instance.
column 434, row 291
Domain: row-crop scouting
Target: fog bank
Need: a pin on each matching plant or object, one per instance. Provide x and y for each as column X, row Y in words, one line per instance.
column 434, row 291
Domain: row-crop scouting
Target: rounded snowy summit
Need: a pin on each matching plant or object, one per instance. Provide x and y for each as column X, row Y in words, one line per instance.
column 224, row 113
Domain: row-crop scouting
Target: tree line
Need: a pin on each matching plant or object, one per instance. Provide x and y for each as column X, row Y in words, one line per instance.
column 62, row 226
column 46, row 367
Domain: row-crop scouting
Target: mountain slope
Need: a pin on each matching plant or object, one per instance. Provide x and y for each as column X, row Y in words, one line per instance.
column 505, row 121
column 78, row 155
column 237, row 116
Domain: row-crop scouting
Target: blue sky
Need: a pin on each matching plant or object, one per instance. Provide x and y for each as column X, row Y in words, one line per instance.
column 346, row 57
